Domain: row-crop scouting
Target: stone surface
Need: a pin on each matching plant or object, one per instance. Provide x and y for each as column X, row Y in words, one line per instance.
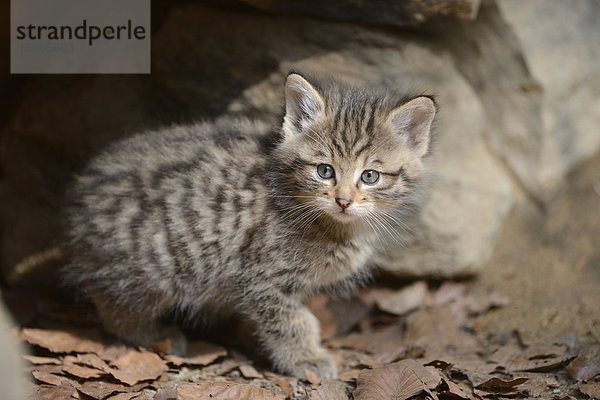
column 561, row 52
column 11, row 363
column 536, row 68
column 388, row 12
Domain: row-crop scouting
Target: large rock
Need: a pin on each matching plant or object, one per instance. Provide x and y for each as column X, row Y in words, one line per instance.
column 560, row 44
column 388, row 12
column 536, row 67
column 11, row 364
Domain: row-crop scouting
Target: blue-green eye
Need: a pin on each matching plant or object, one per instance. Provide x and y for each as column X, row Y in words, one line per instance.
column 325, row 171
column 369, row 177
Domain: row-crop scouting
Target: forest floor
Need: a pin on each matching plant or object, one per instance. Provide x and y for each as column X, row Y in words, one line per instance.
column 527, row 327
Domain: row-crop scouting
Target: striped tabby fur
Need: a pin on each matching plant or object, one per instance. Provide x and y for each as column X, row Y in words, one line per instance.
column 232, row 215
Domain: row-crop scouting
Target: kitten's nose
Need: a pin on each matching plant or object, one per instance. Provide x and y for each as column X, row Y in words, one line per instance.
column 343, row 202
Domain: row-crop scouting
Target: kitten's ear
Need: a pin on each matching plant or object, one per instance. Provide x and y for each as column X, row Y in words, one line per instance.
column 303, row 103
column 413, row 121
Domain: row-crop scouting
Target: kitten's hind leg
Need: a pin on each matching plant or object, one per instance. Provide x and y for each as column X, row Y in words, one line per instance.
column 140, row 327
column 290, row 333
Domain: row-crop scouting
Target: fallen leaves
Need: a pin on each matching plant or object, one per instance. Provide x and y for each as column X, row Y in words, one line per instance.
column 42, row 360
column 312, row 377
column 224, row 391
column 329, row 390
column 61, row 341
column 137, row 366
column 63, row 392
column 410, row 343
column 584, row 367
column 82, row 372
column 101, row 389
column 500, row 384
column 399, row 381
column 512, row 358
column 199, row 353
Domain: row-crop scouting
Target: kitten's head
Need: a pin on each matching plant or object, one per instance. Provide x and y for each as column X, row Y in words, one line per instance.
column 350, row 153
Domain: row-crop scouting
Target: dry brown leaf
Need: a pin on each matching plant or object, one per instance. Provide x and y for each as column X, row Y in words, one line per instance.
column 125, row 396
column 453, row 391
column 397, row 381
column 448, row 292
column 101, row 390
column 312, row 377
column 198, row 353
column 388, row 357
column 434, row 328
column 478, row 378
column 167, row 393
column 476, row 305
column 42, row 360
column 63, row 392
column 248, row 371
column 52, row 379
column 464, row 363
column 329, row 390
column 537, row 383
column 285, row 387
column 378, row 341
column 538, row 351
column 500, row 384
column 91, row 360
column 398, row 302
column 69, row 359
column 513, row 359
column 224, row 391
column 51, row 368
column 137, row 366
column 356, row 359
column 592, row 389
column 82, row 372
column 62, row 342
column 584, row 367
column 349, row 375
column 223, row 367
column 113, row 352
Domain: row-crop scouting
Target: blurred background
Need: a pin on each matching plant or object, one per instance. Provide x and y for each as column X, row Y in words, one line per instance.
column 516, row 196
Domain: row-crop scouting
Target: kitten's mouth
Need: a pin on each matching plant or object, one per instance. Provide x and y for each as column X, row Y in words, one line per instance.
column 343, row 216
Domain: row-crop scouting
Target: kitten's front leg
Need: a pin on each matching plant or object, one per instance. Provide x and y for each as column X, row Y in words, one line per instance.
column 290, row 333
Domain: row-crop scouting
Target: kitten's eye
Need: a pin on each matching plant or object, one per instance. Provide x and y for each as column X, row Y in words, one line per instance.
column 325, row 171
column 369, row 177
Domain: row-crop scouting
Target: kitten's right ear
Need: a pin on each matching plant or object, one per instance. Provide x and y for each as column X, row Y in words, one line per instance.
column 303, row 103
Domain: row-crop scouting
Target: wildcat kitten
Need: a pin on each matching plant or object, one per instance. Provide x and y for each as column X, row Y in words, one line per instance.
column 230, row 215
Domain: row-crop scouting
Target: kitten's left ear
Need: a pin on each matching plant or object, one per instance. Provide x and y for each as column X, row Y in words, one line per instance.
column 413, row 121
column 303, row 103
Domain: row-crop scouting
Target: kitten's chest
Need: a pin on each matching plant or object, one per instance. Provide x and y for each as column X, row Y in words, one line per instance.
column 333, row 261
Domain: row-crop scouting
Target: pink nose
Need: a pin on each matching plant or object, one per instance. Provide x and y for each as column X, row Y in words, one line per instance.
column 343, row 202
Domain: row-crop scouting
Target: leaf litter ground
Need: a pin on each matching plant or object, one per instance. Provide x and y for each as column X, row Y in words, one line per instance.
column 418, row 342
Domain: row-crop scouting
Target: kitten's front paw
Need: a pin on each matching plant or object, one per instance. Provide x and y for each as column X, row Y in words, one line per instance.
column 325, row 367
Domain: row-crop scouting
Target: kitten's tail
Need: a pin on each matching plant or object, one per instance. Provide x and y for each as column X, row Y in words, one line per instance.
column 32, row 262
